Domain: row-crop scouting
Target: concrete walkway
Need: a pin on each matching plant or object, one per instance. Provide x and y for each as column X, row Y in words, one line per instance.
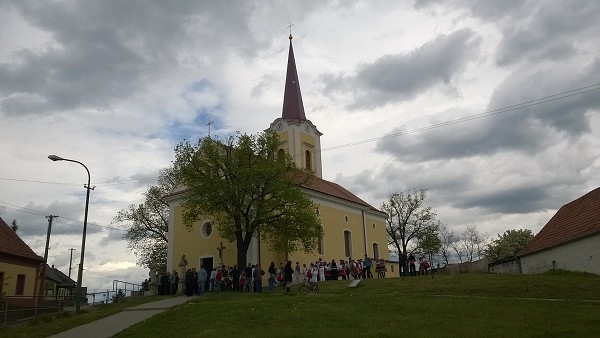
column 111, row 325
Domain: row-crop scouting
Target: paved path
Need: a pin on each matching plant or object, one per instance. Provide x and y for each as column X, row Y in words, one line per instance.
column 111, row 325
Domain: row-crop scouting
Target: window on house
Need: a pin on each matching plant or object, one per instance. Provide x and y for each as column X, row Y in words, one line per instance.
column 348, row 243
column 320, row 243
column 375, row 250
column 307, row 160
column 20, row 285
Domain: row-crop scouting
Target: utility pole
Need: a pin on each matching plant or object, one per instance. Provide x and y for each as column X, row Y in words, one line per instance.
column 43, row 277
column 70, row 261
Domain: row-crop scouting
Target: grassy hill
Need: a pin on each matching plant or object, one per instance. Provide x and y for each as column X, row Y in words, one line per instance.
column 468, row 305
column 557, row 304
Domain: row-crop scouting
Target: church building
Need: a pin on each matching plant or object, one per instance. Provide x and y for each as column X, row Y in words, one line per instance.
column 351, row 226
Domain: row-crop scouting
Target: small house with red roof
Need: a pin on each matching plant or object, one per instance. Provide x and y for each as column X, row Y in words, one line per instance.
column 569, row 241
column 18, row 267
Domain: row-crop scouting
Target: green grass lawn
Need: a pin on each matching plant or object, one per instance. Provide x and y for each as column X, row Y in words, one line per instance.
column 467, row 305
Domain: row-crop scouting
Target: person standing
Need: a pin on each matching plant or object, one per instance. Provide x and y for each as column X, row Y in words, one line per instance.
column 411, row 265
column 314, row 272
column 272, row 273
column 194, row 281
column 235, row 277
column 189, row 282
column 305, row 271
column 368, row 264
column 248, row 277
column 321, row 270
column 258, row 274
column 173, row 281
column 333, row 271
column 297, row 273
column 218, row 280
column 201, row 280
column 288, row 273
column 213, row 277
column 402, row 262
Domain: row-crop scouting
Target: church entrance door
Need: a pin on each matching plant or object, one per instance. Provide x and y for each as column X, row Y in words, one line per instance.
column 207, row 263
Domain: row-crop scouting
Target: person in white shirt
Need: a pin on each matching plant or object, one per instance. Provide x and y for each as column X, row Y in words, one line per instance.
column 321, row 272
column 314, row 270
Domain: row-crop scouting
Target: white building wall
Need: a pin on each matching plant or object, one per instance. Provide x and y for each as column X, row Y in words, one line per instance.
column 582, row 255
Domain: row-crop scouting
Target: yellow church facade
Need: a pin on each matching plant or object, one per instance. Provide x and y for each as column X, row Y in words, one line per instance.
column 352, row 228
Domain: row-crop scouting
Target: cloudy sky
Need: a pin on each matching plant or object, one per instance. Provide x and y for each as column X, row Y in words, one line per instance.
column 491, row 105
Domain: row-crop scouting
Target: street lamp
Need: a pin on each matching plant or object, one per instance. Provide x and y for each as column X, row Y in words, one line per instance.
column 85, row 217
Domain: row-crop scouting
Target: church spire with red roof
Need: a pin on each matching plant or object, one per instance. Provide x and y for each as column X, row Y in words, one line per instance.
column 293, row 108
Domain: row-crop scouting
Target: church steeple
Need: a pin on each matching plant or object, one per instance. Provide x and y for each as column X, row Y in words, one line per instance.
column 293, row 108
column 298, row 136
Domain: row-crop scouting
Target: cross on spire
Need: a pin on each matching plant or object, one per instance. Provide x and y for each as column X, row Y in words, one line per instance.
column 209, row 124
column 290, row 28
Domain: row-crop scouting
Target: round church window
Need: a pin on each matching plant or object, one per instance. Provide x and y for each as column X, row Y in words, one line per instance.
column 207, row 229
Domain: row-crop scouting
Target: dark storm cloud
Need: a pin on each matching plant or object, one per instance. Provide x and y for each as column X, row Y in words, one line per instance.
column 548, row 33
column 400, row 77
column 527, row 130
column 520, row 199
column 511, row 200
column 103, row 52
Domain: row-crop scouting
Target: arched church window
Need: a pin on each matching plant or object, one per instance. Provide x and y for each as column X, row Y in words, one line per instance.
column 348, row 243
column 375, row 250
column 307, row 160
column 320, row 249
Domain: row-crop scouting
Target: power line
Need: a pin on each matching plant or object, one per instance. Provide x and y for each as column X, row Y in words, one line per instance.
column 550, row 98
column 37, row 212
column 101, row 184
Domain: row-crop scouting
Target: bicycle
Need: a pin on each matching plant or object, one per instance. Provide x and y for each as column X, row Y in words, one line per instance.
column 307, row 287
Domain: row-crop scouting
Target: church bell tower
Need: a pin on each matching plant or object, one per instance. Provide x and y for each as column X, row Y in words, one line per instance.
column 299, row 136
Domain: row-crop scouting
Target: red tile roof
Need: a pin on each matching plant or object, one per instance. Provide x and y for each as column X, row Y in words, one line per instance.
column 12, row 244
column 577, row 219
column 317, row 185
column 322, row 186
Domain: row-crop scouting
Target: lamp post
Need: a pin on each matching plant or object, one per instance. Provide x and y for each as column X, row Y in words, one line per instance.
column 85, row 217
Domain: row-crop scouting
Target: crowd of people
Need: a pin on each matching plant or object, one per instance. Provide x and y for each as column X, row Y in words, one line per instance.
column 250, row 278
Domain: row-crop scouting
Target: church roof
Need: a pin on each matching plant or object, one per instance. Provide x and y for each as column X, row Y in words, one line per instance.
column 12, row 244
column 335, row 190
column 574, row 220
column 315, row 185
column 293, row 108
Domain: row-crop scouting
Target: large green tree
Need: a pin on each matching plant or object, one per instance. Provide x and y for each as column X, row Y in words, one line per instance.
column 508, row 244
column 429, row 240
column 147, row 224
column 251, row 188
column 408, row 218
